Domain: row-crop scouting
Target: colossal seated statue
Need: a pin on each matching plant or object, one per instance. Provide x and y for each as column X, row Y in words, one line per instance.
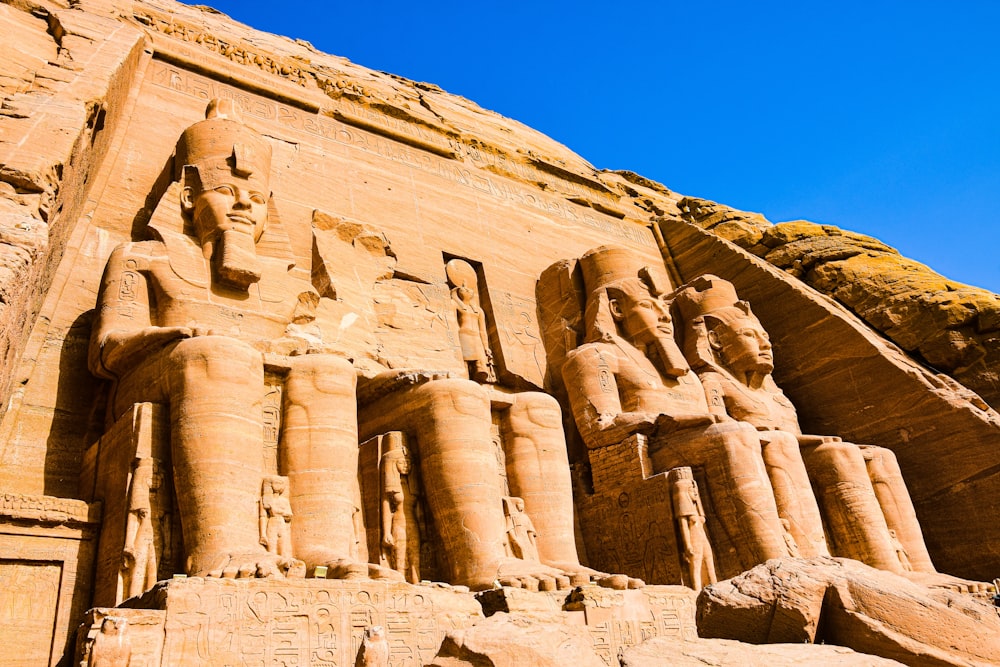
column 447, row 421
column 868, row 512
column 630, row 377
column 185, row 319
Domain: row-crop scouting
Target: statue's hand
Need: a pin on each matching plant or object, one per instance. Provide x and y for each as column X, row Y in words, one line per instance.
column 669, row 423
column 388, row 541
column 810, row 440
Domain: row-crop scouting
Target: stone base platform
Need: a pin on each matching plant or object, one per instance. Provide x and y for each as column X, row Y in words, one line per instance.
column 322, row 623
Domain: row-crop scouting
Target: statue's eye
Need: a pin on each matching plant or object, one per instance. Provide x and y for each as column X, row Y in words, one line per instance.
column 258, row 198
column 226, row 190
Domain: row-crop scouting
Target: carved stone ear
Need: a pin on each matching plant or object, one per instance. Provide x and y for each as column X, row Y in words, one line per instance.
column 191, row 180
column 616, row 310
column 187, row 200
column 713, row 340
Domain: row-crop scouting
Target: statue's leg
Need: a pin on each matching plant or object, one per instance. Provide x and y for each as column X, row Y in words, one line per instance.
column 449, row 420
column 319, row 454
column 894, row 498
column 793, row 493
column 737, row 481
column 857, row 527
column 538, row 472
column 216, row 390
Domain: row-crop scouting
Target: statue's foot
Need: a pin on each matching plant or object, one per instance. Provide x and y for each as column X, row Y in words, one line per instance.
column 949, row 582
column 581, row 574
column 532, row 576
column 255, row 566
column 350, row 569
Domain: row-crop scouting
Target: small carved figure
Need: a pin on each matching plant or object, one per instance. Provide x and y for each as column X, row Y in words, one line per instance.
column 689, row 513
column 275, row 516
column 147, row 529
column 400, row 510
column 904, row 559
column 472, row 330
column 793, row 547
column 112, row 646
column 374, row 651
column 521, row 536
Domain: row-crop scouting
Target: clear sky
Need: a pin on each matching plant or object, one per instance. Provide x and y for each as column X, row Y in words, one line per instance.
column 881, row 117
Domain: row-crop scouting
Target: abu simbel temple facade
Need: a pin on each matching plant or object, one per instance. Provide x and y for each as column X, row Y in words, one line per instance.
column 306, row 364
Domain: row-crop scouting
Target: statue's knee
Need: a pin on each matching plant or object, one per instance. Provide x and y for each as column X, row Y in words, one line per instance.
column 540, row 409
column 325, row 373
column 455, row 395
column 219, row 358
column 842, row 459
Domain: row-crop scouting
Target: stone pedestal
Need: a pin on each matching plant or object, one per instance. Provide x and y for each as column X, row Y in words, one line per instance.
column 321, row 623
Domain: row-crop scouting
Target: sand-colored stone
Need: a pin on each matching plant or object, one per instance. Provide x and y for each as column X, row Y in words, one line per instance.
column 402, row 268
column 844, row 602
column 726, row 653
column 950, row 326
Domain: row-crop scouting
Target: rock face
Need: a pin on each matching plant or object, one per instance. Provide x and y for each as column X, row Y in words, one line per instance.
column 846, row 603
column 700, row 652
column 285, row 340
column 950, row 326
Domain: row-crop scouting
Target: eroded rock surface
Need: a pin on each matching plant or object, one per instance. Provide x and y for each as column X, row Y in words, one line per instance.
column 954, row 328
column 843, row 602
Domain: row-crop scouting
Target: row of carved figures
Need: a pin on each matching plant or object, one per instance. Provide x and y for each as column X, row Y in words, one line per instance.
column 191, row 318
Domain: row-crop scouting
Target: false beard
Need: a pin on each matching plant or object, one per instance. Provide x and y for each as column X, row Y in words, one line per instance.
column 235, row 260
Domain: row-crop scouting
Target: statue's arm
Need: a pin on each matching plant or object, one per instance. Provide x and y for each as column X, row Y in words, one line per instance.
column 593, row 396
column 123, row 329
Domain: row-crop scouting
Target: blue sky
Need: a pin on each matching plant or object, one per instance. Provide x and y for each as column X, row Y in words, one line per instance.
column 878, row 117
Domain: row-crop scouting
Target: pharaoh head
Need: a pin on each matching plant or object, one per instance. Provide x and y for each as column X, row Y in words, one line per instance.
column 224, row 168
column 622, row 297
column 624, row 300
column 721, row 330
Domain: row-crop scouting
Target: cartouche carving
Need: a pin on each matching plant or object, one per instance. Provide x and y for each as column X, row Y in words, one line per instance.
column 400, row 510
column 689, row 513
column 185, row 319
column 472, row 331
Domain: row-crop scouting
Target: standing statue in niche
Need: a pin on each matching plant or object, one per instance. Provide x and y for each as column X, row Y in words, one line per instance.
column 401, row 518
column 630, row 377
column 521, row 535
column 472, row 332
column 696, row 555
column 147, row 528
column 187, row 318
column 276, row 516
column 729, row 348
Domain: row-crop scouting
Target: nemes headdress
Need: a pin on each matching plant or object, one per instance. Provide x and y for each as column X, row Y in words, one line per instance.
column 706, row 297
column 222, row 147
column 611, row 267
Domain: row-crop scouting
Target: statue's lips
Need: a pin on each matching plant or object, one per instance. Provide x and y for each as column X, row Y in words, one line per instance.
column 240, row 219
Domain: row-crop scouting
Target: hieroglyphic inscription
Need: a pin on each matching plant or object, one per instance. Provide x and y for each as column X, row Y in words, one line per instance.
column 29, row 592
column 519, row 334
column 235, row 50
column 47, row 508
column 306, row 623
column 194, row 85
column 640, row 539
column 272, row 426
